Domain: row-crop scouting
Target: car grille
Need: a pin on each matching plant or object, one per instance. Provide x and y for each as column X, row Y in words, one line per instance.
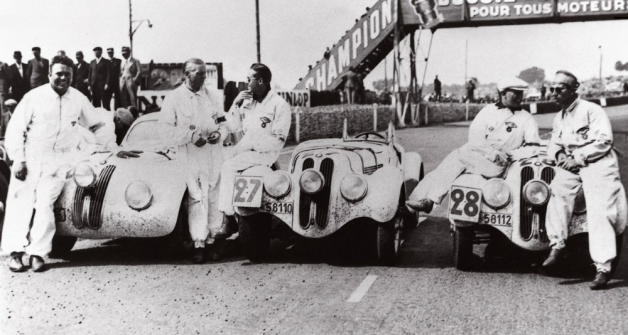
column 371, row 169
column 318, row 202
column 528, row 211
column 96, row 195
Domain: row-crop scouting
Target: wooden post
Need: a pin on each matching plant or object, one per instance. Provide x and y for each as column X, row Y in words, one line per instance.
column 375, row 117
column 467, row 111
column 297, row 122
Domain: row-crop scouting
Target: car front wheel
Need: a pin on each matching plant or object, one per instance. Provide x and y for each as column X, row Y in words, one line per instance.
column 389, row 240
column 62, row 245
column 254, row 234
column 463, row 248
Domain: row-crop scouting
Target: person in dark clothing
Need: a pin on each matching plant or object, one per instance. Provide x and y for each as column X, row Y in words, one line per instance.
column 114, row 79
column 99, row 78
column 18, row 82
column 470, row 90
column 81, row 79
column 543, row 92
column 437, row 88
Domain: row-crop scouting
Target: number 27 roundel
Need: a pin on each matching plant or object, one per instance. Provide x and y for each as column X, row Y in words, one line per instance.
column 464, row 203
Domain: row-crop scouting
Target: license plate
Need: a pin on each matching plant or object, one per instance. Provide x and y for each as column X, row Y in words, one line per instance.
column 247, row 191
column 504, row 220
column 277, row 207
column 464, row 203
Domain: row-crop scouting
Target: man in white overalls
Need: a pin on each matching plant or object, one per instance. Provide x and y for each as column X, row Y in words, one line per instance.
column 496, row 136
column 582, row 141
column 191, row 114
column 265, row 120
column 45, row 139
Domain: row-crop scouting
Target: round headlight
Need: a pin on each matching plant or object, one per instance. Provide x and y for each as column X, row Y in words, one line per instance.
column 311, row 181
column 496, row 193
column 536, row 192
column 138, row 195
column 277, row 184
column 84, row 175
column 353, row 187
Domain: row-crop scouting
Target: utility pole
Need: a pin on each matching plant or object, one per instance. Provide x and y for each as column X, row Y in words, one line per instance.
column 601, row 79
column 131, row 27
column 259, row 53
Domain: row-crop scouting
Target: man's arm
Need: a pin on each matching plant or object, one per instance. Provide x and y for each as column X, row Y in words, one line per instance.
column 174, row 131
column 138, row 74
column 15, row 137
column 477, row 129
column 555, row 146
column 599, row 140
column 279, row 131
column 531, row 141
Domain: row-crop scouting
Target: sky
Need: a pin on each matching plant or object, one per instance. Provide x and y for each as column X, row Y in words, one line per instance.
column 295, row 33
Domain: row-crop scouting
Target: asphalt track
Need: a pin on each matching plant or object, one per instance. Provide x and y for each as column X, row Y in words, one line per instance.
column 128, row 286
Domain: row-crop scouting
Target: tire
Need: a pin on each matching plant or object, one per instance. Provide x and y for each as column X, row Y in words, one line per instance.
column 4, row 189
column 254, row 234
column 619, row 240
column 463, row 248
column 389, row 240
column 62, row 245
column 179, row 240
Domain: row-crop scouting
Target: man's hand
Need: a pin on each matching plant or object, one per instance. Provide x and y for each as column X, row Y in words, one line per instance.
column 502, row 158
column 21, row 172
column 127, row 154
column 560, row 157
column 244, row 95
column 569, row 164
column 200, row 142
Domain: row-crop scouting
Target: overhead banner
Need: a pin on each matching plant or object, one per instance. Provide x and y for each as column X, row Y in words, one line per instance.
column 300, row 98
column 460, row 13
column 357, row 43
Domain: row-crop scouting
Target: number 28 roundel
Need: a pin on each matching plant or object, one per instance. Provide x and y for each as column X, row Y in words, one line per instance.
column 464, row 203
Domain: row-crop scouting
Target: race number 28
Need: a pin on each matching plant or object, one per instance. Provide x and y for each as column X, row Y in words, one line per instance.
column 465, row 203
column 470, row 208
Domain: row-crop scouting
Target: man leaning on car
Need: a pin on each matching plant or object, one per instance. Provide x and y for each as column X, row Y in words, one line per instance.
column 582, row 142
column 192, row 113
column 44, row 138
column 265, row 122
column 496, row 136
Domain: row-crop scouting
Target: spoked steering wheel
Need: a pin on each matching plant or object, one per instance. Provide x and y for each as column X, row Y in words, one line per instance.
column 367, row 133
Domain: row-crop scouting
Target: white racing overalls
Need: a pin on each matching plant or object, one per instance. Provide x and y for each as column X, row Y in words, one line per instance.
column 494, row 129
column 265, row 126
column 47, row 133
column 584, row 131
column 188, row 116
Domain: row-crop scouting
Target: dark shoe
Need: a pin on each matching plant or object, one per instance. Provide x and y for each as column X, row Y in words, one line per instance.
column 228, row 228
column 214, row 254
column 424, row 205
column 553, row 258
column 37, row 264
column 600, row 281
column 15, row 263
column 198, row 255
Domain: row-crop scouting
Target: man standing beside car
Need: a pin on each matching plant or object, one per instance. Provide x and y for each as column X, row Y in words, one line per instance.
column 44, row 139
column 496, row 137
column 192, row 114
column 581, row 144
column 265, row 120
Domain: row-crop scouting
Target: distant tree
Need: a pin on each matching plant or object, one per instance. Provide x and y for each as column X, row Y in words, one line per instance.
column 380, row 84
column 621, row 67
column 532, row 75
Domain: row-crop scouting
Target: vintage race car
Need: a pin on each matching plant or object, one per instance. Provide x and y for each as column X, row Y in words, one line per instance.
column 482, row 210
column 111, row 197
column 329, row 184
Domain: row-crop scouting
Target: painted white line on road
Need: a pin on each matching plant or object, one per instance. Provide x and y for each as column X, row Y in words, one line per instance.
column 360, row 292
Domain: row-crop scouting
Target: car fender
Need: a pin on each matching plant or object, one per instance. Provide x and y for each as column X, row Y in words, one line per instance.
column 166, row 180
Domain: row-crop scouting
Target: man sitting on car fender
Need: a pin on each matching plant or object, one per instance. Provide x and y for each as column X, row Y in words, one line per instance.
column 265, row 122
column 496, row 136
column 582, row 141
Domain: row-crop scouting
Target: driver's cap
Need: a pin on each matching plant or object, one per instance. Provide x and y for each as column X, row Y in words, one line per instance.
column 513, row 83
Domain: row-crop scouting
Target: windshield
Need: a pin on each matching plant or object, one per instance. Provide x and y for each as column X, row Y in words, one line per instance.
column 147, row 134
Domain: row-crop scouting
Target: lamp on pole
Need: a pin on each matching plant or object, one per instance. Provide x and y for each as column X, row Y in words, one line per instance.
column 139, row 23
column 259, row 53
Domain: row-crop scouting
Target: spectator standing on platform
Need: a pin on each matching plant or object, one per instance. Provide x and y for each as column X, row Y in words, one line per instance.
column 38, row 69
column 470, row 91
column 437, row 88
column 543, row 91
column 129, row 79
column 114, row 79
column 360, row 91
column 99, row 72
column 4, row 83
column 18, row 82
column 81, row 78
column 351, row 85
